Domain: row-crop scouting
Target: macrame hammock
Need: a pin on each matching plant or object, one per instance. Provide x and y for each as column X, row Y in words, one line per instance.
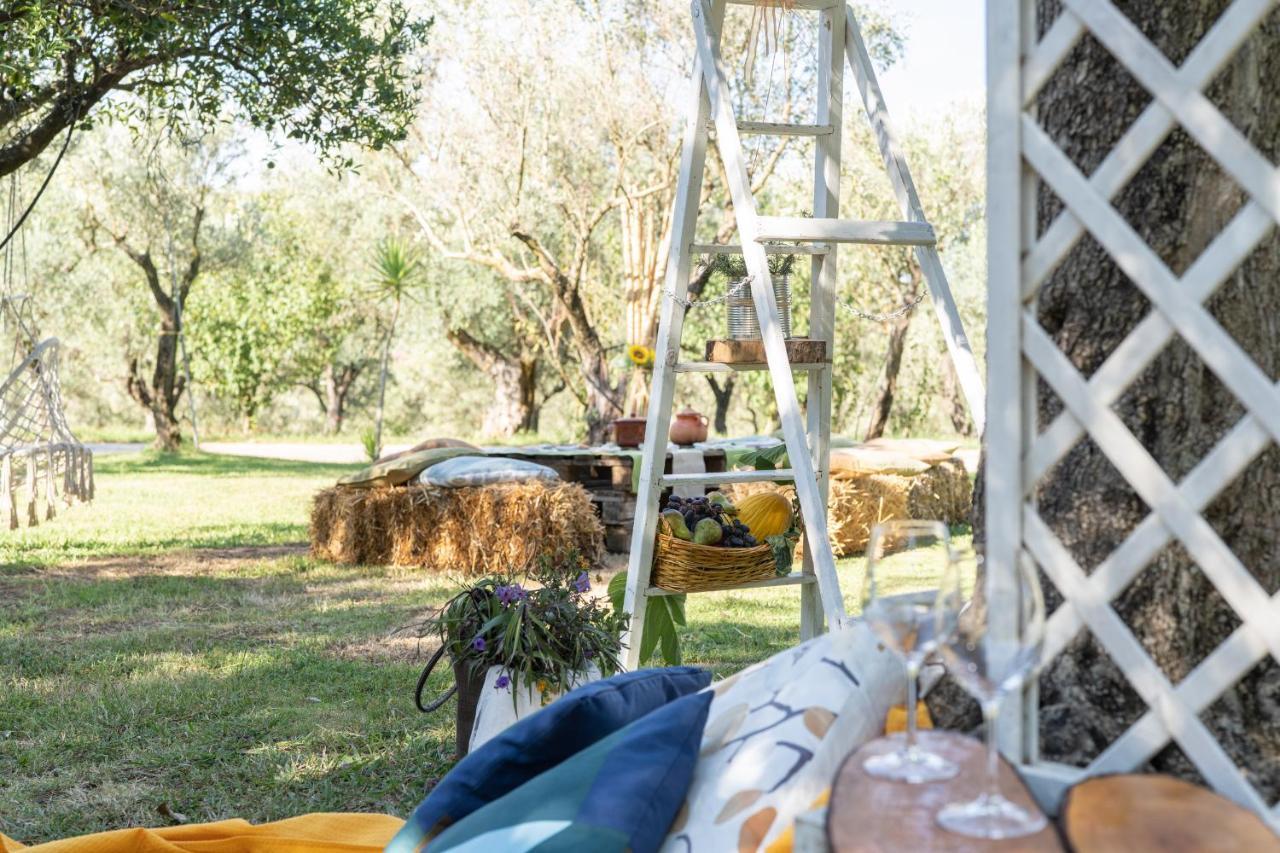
column 41, row 461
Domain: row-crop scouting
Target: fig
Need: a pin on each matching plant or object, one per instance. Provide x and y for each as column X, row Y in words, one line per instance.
column 708, row 532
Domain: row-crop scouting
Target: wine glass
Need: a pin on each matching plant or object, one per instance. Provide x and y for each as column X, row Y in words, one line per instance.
column 990, row 662
column 906, row 623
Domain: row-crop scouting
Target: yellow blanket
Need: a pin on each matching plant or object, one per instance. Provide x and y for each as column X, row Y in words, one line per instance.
column 313, row 833
column 348, row 833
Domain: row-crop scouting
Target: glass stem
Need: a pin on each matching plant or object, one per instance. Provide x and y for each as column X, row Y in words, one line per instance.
column 990, row 713
column 913, row 678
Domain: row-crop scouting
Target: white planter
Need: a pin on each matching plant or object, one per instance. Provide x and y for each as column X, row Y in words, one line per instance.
column 495, row 711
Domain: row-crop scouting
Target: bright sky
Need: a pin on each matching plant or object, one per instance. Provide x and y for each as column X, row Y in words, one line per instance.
column 945, row 56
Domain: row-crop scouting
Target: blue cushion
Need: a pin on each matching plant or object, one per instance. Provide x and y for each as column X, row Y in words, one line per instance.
column 544, row 739
column 619, row 795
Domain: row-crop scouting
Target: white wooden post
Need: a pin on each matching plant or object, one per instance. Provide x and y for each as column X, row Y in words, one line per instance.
column 825, row 278
column 670, row 326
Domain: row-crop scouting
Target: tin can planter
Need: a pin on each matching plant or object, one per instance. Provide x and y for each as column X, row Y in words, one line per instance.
column 743, row 324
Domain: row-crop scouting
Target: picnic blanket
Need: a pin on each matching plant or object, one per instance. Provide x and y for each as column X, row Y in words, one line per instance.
column 317, row 833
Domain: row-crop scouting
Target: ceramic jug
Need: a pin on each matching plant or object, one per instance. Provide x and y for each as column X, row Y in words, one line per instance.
column 688, row 427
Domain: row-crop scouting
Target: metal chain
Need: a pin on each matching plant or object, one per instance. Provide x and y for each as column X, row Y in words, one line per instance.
column 883, row 318
column 736, row 290
column 742, row 286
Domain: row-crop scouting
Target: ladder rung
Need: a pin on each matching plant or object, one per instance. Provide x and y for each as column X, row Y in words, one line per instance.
column 785, row 580
column 715, row 479
column 770, row 248
column 776, row 128
column 722, row 367
column 845, row 231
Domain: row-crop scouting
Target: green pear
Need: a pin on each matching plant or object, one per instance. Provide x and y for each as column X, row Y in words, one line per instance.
column 675, row 520
column 721, row 500
column 708, row 532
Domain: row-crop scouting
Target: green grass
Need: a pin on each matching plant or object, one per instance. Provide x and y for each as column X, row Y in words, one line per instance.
column 172, row 644
column 150, row 503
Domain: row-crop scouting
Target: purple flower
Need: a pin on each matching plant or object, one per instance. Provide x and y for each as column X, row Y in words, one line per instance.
column 583, row 583
column 509, row 595
column 478, row 644
column 502, row 683
column 589, row 653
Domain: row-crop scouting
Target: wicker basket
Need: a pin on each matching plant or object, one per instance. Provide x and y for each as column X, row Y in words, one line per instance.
column 682, row 566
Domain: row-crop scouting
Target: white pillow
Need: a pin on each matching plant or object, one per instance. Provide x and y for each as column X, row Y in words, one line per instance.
column 484, row 471
column 776, row 734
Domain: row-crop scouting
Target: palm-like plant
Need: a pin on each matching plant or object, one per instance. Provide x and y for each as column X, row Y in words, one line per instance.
column 396, row 269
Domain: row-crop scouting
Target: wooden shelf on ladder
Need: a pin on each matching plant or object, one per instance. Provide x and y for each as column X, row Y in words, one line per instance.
column 807, row 435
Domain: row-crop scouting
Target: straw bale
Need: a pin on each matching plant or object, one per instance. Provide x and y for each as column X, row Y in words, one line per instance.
column 472, row 530
column 860, row 501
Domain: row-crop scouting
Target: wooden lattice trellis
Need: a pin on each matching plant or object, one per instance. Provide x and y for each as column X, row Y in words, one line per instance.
column 1022, row 159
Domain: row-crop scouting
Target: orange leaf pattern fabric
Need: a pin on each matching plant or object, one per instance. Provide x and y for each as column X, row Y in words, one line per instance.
column 777, row 734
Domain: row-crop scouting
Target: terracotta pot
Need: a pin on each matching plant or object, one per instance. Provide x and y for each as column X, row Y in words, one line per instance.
column 628, row 432
column 689, row 427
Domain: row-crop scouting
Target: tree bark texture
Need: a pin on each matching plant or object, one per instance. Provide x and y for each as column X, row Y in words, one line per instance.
column 1177, row 408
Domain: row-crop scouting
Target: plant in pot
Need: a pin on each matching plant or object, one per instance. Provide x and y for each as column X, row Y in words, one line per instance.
column 547, row 635
column 742, row 322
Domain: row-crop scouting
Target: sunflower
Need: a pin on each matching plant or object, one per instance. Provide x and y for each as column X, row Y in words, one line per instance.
column 640, row 355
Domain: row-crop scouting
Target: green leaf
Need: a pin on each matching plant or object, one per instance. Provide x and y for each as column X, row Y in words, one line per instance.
column 661, row 616
column 618, row 591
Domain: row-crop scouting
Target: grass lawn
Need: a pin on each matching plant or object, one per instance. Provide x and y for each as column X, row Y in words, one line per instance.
column 173, row 648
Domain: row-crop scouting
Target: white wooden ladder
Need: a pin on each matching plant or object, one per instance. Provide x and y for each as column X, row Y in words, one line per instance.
column 807, row 435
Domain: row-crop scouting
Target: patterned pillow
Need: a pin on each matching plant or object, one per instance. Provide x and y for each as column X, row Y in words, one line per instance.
column 776, row 734
column 484, row 471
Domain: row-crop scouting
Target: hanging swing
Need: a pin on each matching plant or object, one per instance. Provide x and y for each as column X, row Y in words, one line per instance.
column 41, row 461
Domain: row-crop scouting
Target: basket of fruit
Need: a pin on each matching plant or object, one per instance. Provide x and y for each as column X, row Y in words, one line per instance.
column 708, row 543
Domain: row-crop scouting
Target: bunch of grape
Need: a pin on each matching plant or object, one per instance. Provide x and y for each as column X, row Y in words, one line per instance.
column 695, row 509
column 736, row 534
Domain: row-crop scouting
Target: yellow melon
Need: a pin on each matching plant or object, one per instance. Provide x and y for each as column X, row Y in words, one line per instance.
column 765, row 514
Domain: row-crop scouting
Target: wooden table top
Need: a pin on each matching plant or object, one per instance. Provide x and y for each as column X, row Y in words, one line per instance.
column 869, row 815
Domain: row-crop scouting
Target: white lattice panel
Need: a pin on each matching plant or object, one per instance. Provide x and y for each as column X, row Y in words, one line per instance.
column 1022, row 160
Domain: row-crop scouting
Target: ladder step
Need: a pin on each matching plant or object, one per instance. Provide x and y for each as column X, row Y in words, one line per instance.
column 770, row 248
column 711, row 479
column 775, row 128
column 722, row 367
column 785, row 580
column 773, row 228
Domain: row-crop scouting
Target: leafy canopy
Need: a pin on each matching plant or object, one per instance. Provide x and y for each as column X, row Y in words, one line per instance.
column 324, row 72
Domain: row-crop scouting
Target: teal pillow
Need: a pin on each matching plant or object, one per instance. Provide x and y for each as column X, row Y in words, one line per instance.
column 544, row 739
column 619, row 795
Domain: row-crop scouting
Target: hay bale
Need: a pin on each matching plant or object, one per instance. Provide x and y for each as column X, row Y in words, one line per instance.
column 473, row 530
column 858, row 502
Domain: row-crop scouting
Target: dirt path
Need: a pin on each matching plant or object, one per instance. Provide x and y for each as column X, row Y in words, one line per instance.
column 295, row 451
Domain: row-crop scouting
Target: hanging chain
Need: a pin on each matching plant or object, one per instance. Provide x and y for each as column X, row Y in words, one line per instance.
column 886, row 317
column 736, row 290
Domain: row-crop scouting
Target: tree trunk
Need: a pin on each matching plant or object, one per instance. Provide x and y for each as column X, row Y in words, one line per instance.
column 160, row 396
column 954, row 404
column 882, row 405
column 382, row 381
column 529, row 394
column 335, row 387
column 723, row 395
column 1177, row 408
column 515, row 385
